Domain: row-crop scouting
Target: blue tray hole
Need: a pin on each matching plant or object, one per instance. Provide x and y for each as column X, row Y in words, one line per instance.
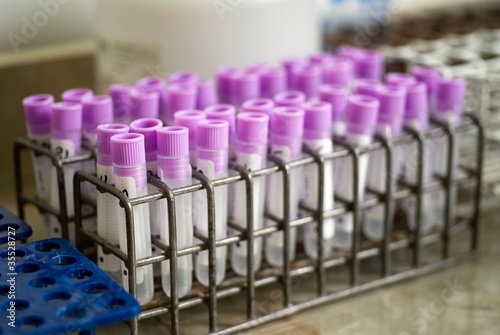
column 18, row 253
column 42, row 282
column 94, row 288
column 4, row 228
column 63, row 260
column 72, row 312
column 4, row 290
column 114, row 303
column 21, row 305
column 28, row 268
column 30, row 323
column 1, row 216
column 79, row 274
column 47, row 246
column 57, row 296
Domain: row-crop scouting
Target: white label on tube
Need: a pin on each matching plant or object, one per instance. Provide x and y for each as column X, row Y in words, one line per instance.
column 107, row 211
column 311, row 176
column 127, row 185
column 63, row 148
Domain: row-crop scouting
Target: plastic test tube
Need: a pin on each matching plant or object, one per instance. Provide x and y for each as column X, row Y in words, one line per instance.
column 120, row 95
column 450, row 95
column 430, row 78
column 206, row 94
column 259, row 105
column 212, row 161
column 76, row 94
column 251, row 153
column 306, row 78
column 287, row 127
column 417, row 118
column 174, row 170
column 389, row 125
column 272, row 82
column 107, row 205
column 243, row 86
column 368, row 64
column 317, row 136
column 148, row 127
column 289, row 99
column 362, row 113
column 338, row 71
column 367, row 87
column 400, row 78
column 38, row 115
column 184, row 77
column 180, row 96
column 129, row 168
column 336, row 95
column 158, row 85
column 222, row 81
column 227, row 113
column 96, row 110
column 143, row 103
column 66, row 140
column 190, row 119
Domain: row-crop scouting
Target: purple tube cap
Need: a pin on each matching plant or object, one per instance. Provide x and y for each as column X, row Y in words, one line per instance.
column 260, row 105
column 147, row 127
column 338, row 71
column 317, row 116
column 367, row 87
column 206, row 94
column 289, row 98
column 424, row 73
column 128, row 149
column 399, row 78
column 212, row 134
column 392, row 107
column 189, row 119
column 222, row 112
column 184, row 77
column 348, row 51
column 97, row 109
column 76, row 94
column 120, row 94
column 154, row 83
column 253, row 128
column 38, row 112
column 287, row 121
column 450, row 95
column 362, row 113
column 144, row 102
column 369, row 64
column 104, row 134
column 173, row 141
column 66, row 116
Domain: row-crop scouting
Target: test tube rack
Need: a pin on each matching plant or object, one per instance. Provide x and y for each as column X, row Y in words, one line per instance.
column 413, row 241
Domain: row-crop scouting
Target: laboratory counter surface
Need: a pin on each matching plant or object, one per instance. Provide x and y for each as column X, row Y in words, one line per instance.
column 461, row 299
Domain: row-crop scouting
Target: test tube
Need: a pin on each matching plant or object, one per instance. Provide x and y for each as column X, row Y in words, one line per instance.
column 287, row 128
column 120, row 94
column 184, row 77
column 317, row 137
column 76, row 94
column 227, row 113
column 148, row 127
column 66, row 140
column 417, row 118
column 362, row 113
column 242, row 86
column 38, row 115
column 450, row 95
column 222, row 83
column 144, row 102
column 180, row 96
column 368, row 64
column 107, row 204
column 336, row 96
column 190, row 119
column 338, row 71
column 430, row 78
column 272, row 81
column 206, row 94
column 158, row 85
column 175, row 171
column 259, row 105
column 389, row 125
column 367, row 87
column 289, row 99
column 129, row 168
column 212, row 161
column 251, row 152
column 306, row 78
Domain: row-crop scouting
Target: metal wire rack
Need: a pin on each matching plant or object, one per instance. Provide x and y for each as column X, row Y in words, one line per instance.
column 413, row 241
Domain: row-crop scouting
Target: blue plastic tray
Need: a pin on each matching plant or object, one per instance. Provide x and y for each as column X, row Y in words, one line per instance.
column 12, row 228
column 58, row 291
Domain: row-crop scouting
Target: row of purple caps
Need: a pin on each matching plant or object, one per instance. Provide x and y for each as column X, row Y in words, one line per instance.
column 235, row 86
